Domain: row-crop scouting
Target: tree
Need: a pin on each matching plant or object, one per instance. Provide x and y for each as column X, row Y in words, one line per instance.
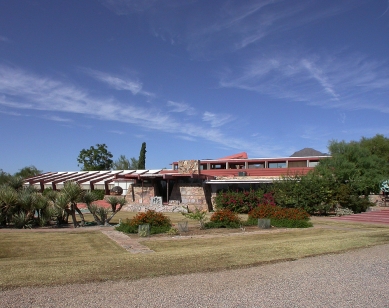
column 28, row 172
column 72, row 193
column 4, row 177
column 378, row 145
column 122, row 163
column 352, row 172
column 95, row 159
column 142, row 157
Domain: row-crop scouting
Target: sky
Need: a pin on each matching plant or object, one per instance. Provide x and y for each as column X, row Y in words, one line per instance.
column 194, row 79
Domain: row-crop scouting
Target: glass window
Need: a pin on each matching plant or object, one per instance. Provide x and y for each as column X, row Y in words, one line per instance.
column 256, row 166
column 277, row 165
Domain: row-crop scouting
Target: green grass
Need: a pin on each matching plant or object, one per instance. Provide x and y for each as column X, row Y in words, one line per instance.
column 30, row 258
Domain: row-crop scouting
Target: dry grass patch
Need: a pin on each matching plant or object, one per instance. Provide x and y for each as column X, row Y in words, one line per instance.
column 47, row 258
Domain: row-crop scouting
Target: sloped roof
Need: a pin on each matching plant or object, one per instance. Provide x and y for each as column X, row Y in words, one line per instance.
column 308, row 152
column 242, row 155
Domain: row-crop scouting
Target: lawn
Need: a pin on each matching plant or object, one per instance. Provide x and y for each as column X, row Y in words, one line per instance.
column 33, row 257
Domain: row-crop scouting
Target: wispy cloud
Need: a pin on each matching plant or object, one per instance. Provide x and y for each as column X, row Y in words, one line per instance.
column 12, row 113
column 346, row 81
column 116, row 82
column 225, row 26
column 3, row 39
column 118, row 132
column 20, row 89
column 216, row 120
column 181, row 107
column 56, row 118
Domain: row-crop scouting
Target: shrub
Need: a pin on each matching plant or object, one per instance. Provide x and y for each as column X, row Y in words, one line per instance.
column 159, row 223
column 277, row 212
column 198, row 215
column 242, row 202
column 225, row 216
column 290, row 223
column 151, row 217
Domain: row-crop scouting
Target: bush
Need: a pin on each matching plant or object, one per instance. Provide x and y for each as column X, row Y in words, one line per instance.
column 242, row 202
column 152, row 218
column 223, row 219
column 225, row 216
column 277, row 212
column 290, row 223
column 159, row 223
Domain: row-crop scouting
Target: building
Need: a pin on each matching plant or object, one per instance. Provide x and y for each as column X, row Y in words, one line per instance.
column 189, row 183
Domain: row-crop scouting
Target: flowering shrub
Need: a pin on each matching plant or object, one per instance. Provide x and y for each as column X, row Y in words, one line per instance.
column 224, row 219
column 242, row 202
column 151, row 217
column 277, row 212
column 159, row 223
column 225, row 215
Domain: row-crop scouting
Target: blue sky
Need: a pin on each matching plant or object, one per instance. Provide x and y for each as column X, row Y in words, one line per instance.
column 192, row 79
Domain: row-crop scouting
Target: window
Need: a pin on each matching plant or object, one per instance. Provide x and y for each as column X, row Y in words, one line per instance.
column 277, row 165
column 256, row 166
column 313, row 163
column 203, row 167
column 218, row 166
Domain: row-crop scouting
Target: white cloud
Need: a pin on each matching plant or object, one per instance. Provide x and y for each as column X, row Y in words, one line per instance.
column 23, row 90
column 216, row 120
column 115, row 82
column 181, row 107
column 118, row 132
column 345, row 81
column 56, row 118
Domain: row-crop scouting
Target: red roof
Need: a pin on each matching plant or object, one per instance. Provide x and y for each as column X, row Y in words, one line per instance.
column 242, row 155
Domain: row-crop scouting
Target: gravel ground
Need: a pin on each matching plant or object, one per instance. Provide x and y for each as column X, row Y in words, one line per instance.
column 354, row 279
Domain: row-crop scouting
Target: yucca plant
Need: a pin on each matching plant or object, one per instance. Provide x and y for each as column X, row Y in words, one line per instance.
column 22, row 220
column 8, row 200
column 74, row 194
column 61, row 204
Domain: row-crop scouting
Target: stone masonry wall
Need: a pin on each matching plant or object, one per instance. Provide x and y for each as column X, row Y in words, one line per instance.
column 139, row 195
column 191, row 195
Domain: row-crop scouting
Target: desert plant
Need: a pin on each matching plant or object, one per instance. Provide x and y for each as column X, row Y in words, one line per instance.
column 98, row 193
column 172, row 231
column 22, row 220
column 198, row 215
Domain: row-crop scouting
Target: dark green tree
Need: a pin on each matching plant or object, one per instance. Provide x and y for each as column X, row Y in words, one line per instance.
column 123, row 163
column 142, row 157
column 378, row 145
column 28, row 172
column 95, row 158
column 4, row 177
column 352, row 172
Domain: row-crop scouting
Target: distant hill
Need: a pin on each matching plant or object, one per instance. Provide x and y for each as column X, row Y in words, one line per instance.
column 308, row 152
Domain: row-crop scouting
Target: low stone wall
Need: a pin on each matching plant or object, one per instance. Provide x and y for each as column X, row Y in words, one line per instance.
column 158, row 208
